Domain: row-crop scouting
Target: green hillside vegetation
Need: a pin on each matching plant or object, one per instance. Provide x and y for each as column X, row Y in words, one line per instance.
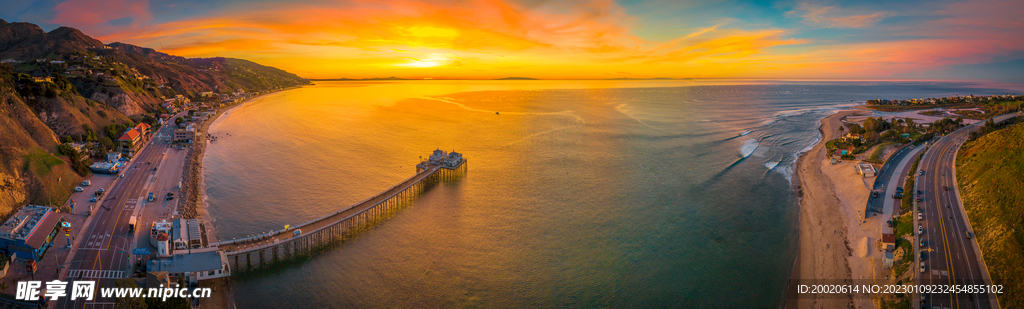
column 990, row 174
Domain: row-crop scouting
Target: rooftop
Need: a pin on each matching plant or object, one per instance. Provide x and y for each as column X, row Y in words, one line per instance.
column 194, row 262
column 24, row 225
column 130, row 135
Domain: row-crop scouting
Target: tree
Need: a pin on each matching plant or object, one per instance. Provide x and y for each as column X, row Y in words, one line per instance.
column 871, row 136
column 129, row 302
column 856, row 129
column 178, row 121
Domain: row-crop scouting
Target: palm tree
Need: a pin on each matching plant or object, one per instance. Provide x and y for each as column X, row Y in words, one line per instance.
column 3, row 286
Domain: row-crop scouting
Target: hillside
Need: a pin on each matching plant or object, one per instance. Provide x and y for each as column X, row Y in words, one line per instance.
column 990, row 174
column 64, row 86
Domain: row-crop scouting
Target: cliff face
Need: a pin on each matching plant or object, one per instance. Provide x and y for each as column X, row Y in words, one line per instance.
column 28, row 171
column 64, row 84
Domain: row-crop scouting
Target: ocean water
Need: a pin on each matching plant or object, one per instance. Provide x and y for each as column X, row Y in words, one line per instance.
column 578, row 193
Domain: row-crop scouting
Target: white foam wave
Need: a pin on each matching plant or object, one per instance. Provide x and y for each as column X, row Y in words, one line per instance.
column 771, row 165
column 745, row 133
column 749, row 147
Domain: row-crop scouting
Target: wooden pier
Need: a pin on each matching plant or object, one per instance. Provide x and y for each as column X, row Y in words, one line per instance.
column 266, row 249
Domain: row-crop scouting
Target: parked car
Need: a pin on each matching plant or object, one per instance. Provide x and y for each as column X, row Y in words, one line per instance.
column 969, row 235
column 93, row 199
column 918, row 199
column 151, row 197
column 922, row 172
column 86, row 183
column 296, row 233
column 170, row 197
column 922, row 266
column 874, row 194
column 920, row 230
column 79, row 189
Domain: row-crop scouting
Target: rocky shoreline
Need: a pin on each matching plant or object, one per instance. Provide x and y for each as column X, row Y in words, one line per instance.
column 192, row 189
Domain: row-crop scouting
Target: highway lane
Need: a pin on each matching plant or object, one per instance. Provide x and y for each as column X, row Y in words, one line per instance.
column 106, row 245
column 950, row 255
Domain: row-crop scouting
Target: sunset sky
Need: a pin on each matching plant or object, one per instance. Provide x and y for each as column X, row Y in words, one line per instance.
column 974, row 39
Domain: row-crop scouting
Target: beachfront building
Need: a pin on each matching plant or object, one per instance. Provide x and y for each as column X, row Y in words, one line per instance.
column 186, row 134
column 866, row 169
column 195, row 240
column 195, row 266
column 179, row 236
column 30, row 231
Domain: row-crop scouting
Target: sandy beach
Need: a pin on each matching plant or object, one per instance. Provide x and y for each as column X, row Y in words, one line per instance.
column 831, row 202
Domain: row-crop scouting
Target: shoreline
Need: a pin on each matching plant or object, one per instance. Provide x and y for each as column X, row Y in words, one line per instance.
column 820, row 209
column 194, row 205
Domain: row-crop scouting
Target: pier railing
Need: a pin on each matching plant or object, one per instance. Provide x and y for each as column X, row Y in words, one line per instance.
column 263, row 250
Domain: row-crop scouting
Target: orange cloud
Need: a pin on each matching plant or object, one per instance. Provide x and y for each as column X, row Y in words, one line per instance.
column 552, row 39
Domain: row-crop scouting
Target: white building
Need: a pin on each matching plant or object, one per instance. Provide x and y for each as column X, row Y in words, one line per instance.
column 195, row 266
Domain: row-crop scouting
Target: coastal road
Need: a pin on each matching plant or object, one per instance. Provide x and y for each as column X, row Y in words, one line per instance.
column 950, row 255
column 891, row 175
column 103, row 253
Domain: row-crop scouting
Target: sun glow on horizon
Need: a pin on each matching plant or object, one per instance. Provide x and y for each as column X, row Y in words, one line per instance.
column 585, row 39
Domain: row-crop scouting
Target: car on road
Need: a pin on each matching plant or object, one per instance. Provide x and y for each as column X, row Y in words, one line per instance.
column 899, row 189
column 919, row 192
column 296, row 233
column 922, row 266
column 922, row 172
column 79, row 189
column 151, row 196
column 86, row 183
column 93, row 199
column 897, row 196
column 918, row 199
column 969, row 235
column 945, row 188
column 874, row 194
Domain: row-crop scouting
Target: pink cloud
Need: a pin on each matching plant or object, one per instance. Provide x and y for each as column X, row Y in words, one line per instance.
column 818, row 15
column 94, row 16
